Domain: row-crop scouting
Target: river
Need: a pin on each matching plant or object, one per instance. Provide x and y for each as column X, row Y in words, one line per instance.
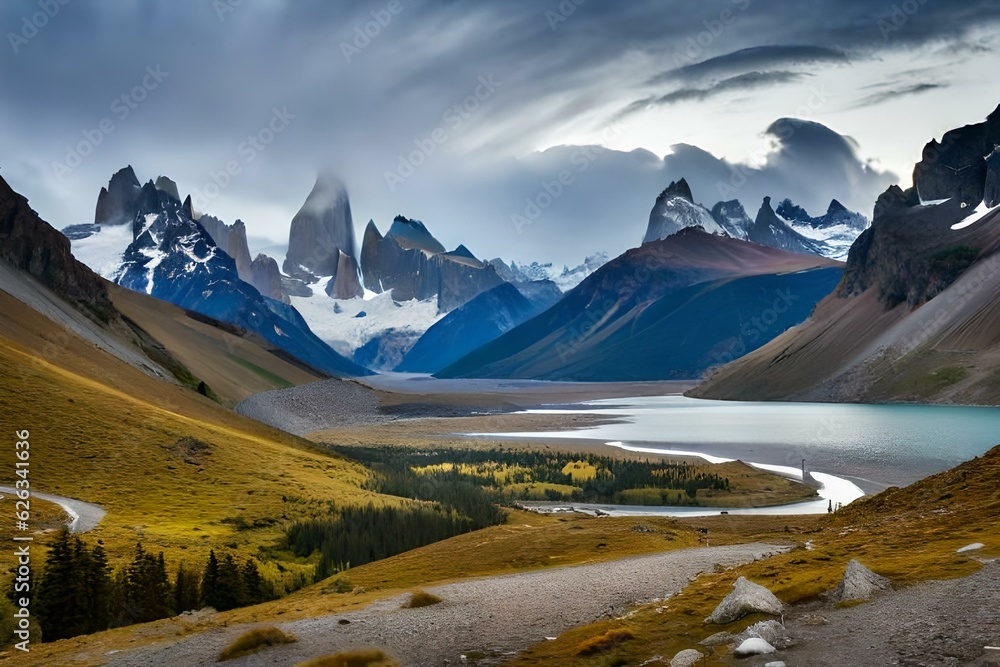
column 849, row 448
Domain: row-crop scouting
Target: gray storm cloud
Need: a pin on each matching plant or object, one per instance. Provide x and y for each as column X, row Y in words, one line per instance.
column 362, row 85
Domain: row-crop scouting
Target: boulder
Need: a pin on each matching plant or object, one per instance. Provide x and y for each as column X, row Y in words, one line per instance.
column 746, row 598
column 753, row 646
column 686, row 658
column 859, row 583
column 718, row 639
column 295, row 287
column 772, row 632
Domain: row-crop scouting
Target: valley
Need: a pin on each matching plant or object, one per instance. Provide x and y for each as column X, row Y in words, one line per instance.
column 725, row 394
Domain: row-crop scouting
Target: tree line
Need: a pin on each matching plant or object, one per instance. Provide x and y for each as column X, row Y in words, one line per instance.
column 353, row 536
column 397, row 474
column 79, row 592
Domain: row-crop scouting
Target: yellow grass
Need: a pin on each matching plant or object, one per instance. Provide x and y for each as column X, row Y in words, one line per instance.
column 46, row 519
column 528, row 541
column 255, row 640
column 358, row 658
column 602, row 643
column 421, row 598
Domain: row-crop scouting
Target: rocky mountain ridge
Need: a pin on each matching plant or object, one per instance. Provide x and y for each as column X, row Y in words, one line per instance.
column 789, row 227
column 916, row 316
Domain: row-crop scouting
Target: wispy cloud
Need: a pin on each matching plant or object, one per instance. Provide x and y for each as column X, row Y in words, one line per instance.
column 755, row 59
column 742, row 82
column 896, row 93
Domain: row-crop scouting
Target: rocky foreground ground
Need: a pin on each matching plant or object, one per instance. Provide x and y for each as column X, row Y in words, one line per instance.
column 937, row 624
column 494, row 616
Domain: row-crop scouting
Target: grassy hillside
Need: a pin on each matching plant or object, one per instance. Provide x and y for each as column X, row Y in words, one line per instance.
column 233, row 363
column 171, row 468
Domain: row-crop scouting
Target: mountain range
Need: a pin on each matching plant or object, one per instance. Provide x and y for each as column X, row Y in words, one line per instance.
column 48, row 293
column 916, row 316
column 170, row 254
column 668, row 309
column 478, row 322
column 706, row 287
column 789, row 227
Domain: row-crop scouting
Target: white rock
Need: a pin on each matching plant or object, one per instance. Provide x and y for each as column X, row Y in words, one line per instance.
column 777, row 663
column 859, row 583
column 686, row 658
column 754, row 646
column 771, row 631
column 970, row 547
column 746, row 598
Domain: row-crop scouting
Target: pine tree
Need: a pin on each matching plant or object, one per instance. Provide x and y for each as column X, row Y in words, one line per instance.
column 57, row 612
column 232, row 589
column 118, row 602
column 253, row 583
column 147, row 589
column 186, row 595
column 98, row 586
column 210, row 582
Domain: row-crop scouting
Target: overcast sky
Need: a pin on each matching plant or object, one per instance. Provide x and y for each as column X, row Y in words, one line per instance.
column 277, row 89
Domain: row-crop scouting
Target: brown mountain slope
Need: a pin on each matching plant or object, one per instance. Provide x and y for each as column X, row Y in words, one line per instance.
column 916, row 317
column 666, row 310
column 233, row 363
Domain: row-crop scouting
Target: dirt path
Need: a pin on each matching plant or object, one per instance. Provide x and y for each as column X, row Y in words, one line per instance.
column 497, row 616
column 83, row 516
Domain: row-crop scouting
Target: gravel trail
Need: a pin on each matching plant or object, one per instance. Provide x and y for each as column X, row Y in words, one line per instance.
column 83, row 516
column 498, row 616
